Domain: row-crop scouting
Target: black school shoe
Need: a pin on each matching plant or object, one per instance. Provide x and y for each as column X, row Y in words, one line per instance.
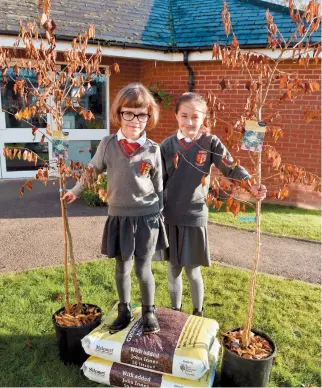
column 150, row 321
column 197, row 313
column 124, row 317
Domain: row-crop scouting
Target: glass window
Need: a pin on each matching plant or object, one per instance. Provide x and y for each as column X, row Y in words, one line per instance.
column 82, row 150
column 93, row 100
column 23, row 165
column 12, row 102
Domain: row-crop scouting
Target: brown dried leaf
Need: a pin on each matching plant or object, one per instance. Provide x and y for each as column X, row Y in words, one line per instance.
column 48, row 130
column 219, row 205
column 176, row 160
column 28, row 184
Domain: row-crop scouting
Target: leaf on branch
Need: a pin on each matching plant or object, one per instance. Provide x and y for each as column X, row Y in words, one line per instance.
column 224, row 84
column 34, row 131
column 42, row 140
column 277, row 161
column 284, row 81
column 25, row 155
column 219, row 205
column 116, row 68
column 88, row 115
column 91, row 31
column 284, row 193
column 229, row 202
column 235, row 208
column 28, row 184
column 26, row 114
column 22, row 191
column 234, row 44
column 48, row 130
column 19, row 115
column 226, row 18
column 312, row 114
column 203, row 180
column 315, row 86
column 216, row 51
column 176, row 160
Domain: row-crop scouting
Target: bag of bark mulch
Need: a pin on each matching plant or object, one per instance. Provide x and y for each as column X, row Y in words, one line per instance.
column 111, row 373
column 180, row 349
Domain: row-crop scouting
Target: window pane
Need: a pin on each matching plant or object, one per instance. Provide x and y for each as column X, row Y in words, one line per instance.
column 12, row 102
column 82, row 150
column 23, row 165
column 93, row 100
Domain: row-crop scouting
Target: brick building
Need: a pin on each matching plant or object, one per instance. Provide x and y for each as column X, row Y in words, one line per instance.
column 170, row 42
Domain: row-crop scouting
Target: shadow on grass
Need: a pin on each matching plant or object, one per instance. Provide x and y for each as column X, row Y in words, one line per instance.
column 33, row 361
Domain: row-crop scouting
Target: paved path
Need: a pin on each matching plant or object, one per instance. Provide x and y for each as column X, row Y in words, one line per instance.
column 31, row 236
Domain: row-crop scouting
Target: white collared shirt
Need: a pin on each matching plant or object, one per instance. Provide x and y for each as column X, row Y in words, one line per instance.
column 141, row 140
column 180, row 136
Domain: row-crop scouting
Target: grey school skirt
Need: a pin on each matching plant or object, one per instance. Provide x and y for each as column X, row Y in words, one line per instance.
column 140, row 236
column 188, row 246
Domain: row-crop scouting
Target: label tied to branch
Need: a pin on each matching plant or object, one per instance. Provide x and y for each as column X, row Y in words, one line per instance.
column 60, row 149
column 254, row 136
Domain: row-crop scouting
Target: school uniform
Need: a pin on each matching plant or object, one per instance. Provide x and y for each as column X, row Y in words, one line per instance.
column 135, row 196
column 185, row 210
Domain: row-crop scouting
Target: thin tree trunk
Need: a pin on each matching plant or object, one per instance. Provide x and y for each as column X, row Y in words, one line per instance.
column 252, row 289
column 63, row 205
column 72, row 257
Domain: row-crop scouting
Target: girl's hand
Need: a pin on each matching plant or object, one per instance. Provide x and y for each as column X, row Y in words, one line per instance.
column 69, row 197
column 259, row 193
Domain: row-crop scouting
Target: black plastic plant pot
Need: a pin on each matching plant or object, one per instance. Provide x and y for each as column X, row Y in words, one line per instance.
column 69, row 339
column 237, row 371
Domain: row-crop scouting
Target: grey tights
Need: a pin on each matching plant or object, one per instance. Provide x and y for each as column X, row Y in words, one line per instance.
column 175, row 285
column 143, row 273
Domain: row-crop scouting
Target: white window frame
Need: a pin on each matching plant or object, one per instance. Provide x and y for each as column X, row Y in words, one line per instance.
column 10, row 135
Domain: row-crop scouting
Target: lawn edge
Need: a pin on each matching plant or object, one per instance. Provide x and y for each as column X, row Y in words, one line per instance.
column 266, row 233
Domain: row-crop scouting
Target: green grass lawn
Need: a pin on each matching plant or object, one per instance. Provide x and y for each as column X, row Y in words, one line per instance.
column 281, row 220
column 287, row 310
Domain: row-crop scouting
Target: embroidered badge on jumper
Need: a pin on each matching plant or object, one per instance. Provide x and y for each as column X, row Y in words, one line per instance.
column 145, row 167
column 201, row 157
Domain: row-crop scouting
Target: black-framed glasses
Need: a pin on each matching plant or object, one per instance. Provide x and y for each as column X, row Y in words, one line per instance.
column 129, row 116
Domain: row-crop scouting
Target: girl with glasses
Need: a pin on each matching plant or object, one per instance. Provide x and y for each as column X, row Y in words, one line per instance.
column 134, row 227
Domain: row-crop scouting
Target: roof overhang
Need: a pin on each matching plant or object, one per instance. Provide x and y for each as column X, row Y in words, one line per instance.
column 127, row 51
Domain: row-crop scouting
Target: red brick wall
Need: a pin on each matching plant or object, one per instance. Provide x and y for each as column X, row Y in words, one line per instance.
column 301, row 144
column 130, row 72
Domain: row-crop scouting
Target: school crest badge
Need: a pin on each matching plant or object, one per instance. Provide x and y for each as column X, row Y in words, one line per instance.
column 201, row 157
column 145, row 167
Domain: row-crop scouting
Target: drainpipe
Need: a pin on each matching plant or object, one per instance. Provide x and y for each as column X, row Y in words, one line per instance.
column 191, row 75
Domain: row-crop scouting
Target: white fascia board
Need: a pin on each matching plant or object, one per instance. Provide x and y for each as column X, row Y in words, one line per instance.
column 146, row 54
column 111, row 51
